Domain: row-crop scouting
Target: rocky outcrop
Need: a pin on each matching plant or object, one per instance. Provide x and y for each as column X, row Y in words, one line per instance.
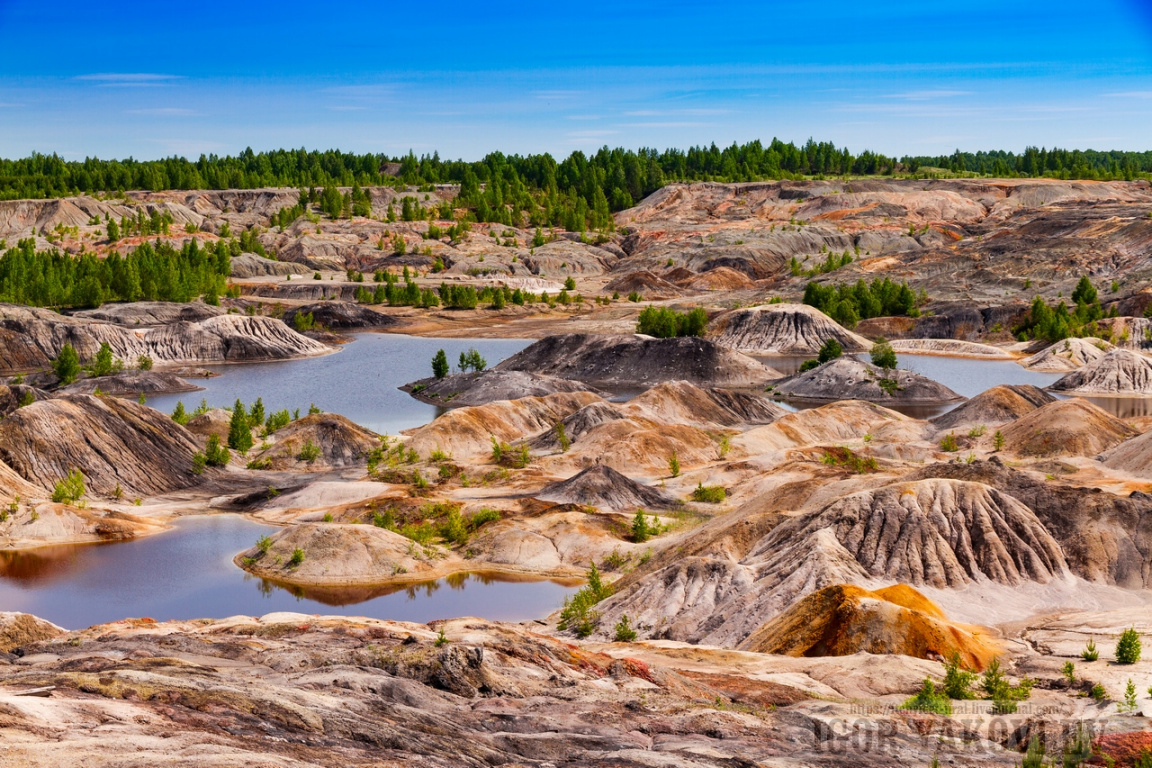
column 638, row 361
column 605, row 488
column 341, row 316
column 251, row 265
column 995, row 406
column 847, row 378
column 1067, row 355
column 31, row 338
column 1119, row 372
column 114, row 443
column 679, row 402
column 339, row 443
column 647, row 284
column 133, row 383
column 783, row 329
column 1065, row 428
column 461, row 389
column 842, row 619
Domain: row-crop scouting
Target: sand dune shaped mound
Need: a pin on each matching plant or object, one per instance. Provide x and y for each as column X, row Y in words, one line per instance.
column 837, row 422
column 998, row 405
column 848, row 378
column 648, row 284
column 115, row 443
column 679, row 402
column 335, row 554
column 843, row 619
column 784, row 329
column 1067, row 355
column 340, row 442
column 467, row 432
column 133, row 383
column 1065, row 428
column 1133, row 455
column 576, row 425
column 633, row 360
column 461, row 389
column 1119, row 372
column 605, row 488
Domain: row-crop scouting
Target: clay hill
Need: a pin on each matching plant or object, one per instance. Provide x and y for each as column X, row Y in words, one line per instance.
column 601, row 486
column 784, row 329
column 114, row 443
column 995, row 406
column 635, row 361
column 460, row 389
column 32, row 338
column 1119, row 372
column 847, row 378
column 1065, row 428
column 842, row 619
column 1067, row 355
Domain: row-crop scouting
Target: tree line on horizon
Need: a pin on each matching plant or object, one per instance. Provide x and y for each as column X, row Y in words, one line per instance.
column 580, row 190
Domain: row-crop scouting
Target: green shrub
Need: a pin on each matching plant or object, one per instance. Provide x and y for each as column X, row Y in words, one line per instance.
column 440, row 364
column 297, row 558
column 998, row 440
column 67, row 365
column 482, row 517
column 309, row 452
column 883, row 356
column 215, row 454
column 641, row 531
column 441, row 638
column 70, row 489
column 471, row 360
column 239, row 430
column 830, row 350
column 664, row 323
column 957, row 680
column 929, row 700
column 624, row 631
column 1129, row 703
column 1098, row 693
column 304, row 321
column 276, row 421
column 104, row 364
column 1090, row 652
column 711, row 494
column 144, row 363
column 26, row 399
column 1128, row 647
column 264, row 543
column 577, row 613
column 949, row 443
column 453, row 528
column 674, row 465
column 562, row 437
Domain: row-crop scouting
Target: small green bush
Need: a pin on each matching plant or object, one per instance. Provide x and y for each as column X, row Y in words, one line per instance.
column 215, row 454
column 710, row 494
column 1128, row 647
column 929, row 700
column 1090, row 652
column 957, row 680
column 949, row 443
column 297, row 558
column 309, row 452
column 674, row 465
column 483, row 517
column 883, row 356
column 70, row 489
column 624, row 631
column 577, row 614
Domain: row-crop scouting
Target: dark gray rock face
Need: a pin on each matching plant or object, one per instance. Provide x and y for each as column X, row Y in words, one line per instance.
column 603, row 487
column 461, row 389
column 340, row 316
column 847, row 378
column 635, row 360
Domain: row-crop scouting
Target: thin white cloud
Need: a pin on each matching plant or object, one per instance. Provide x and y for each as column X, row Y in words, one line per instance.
column 928, row 95
column 129, row 79
column 163, row 112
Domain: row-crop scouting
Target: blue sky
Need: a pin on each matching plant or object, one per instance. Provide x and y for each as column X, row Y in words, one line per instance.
column 154, row 79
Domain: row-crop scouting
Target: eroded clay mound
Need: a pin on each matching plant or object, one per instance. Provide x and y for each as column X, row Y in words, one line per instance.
column 133, row 383
column 847, row 378
column 837, row 422
column 461, row 389
column 635, row 360
column 252, row 265
column 647, row 284
column 335, row 554
column 951, row 348
column 465, row 433
column 340, row 316
column 843, row 619
column 938, row 533
column 605, row 488
column 113, row 442
column 20, row 629
column 1067, row 355
column 1119, row 372
column 784, row 329
column 935, row 533
column 998, row 405
column 340, row 443
column 1133, row 456
column 679, row 402
column 31, row 338
column 1065, row 428
column 61, row 523
column 147, row 313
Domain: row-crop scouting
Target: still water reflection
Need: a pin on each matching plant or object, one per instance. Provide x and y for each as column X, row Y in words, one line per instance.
column 187, row 573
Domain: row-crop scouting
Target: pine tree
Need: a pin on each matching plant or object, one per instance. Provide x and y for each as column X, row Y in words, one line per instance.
column 440, row 364
column 67, row 365
column 239, row 430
